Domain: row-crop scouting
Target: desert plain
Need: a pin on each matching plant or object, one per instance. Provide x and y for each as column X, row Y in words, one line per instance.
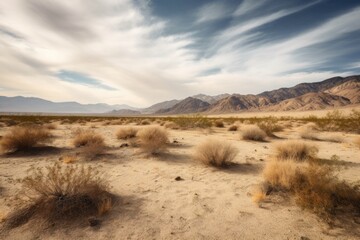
column 171, row 195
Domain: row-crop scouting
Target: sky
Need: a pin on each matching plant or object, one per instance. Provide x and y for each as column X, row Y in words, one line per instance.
column 140, row 52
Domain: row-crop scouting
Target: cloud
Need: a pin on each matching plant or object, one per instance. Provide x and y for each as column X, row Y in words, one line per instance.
column 117, row 51
column 212, row 11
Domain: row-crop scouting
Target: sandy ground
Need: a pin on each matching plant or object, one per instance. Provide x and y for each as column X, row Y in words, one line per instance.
column 208, row 204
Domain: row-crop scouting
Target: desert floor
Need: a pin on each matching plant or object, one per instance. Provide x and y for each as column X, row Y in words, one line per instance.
column 208, row 203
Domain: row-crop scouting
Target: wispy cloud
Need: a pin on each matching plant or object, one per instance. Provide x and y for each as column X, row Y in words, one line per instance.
column 119, row 51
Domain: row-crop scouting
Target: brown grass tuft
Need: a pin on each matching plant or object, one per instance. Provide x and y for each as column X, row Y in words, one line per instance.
column 253, row 133
column 61, row 194
column 24, row 138
column 153, row 139
column 215, row 153
column 145, row 122
column 92, row 143
column 219, row 123
column 126, row 133
column 69, row 159
column 86, row 137
column 171, row 125
column 270, row 127
column 314, row 187
column 295, row 150
column 233, row 128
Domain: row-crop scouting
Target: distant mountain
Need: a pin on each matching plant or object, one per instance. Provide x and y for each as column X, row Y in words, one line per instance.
column 310, row 101
column 162, row 105
column 211, row 99
column 188, row 105
column 333, row 92
column 349, row 90
column 30, row 104
column 124, row 112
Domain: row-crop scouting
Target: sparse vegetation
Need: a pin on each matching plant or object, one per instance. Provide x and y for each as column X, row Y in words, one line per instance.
column 171, row 125
column 253, row 133
column 295, row 150
column 270, row 126
column 92, row 143
column 314, row 187
column 145, row 122
column 309, row 132
column 193, row 121
column 126, row 133
column 61, row 194
column 153, row 139
column 233, row 128
column 22, row 138
column 219, row 123
column 215, row 153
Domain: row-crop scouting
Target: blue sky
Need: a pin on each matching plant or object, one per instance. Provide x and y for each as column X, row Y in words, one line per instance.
column 140, row 52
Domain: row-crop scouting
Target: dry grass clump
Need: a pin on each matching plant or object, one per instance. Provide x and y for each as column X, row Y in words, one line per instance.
column 153, row 139
column 171, row 125
column 295, row 150
column 314, row 187
column 309, row 133
column 219, row 123
column 126, row 133
column 233, row 128
column 86, row 138
column 270, row 127
column 145, row 122
column 24, row 138
column 215, row 153
column 253, row 133
column 50, row 126
column 92, row 143
column 258, row 195
column 61, row 194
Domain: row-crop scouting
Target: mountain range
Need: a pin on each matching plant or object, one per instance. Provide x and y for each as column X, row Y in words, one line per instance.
column 330, row 93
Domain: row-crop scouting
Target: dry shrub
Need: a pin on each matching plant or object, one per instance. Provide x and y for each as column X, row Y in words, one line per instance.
column 126, row 133
column 92, row 143
column 61, row 194
column 295, row 150
column 314, row 187
column 86, row 137
column 258, row 195
column 24, row 138
column 145, row 122
column 253, row 133
column 171, row 125
column 233, row 128
column 309, row 134
column 219, row 123
column 215, row 153
column 270, row 127
column 357, row 142
column 153, row 139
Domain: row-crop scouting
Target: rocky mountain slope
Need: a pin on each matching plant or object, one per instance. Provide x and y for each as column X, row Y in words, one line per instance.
column 188, row 105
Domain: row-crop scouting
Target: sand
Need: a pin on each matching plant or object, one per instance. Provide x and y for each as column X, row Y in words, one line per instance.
column 208, row 203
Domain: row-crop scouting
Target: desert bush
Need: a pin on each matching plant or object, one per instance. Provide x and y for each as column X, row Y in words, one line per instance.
column 145, row 122
column 253, row 132
column 50, row 126
column 314, row 187
column 153, row 139
column 91, row 143
column 126, row 133
column 270, row 126
column 215, row 153
column 24, row 138
column 171, row 125
column 219, row 123
column 295, row 150
column 86, row 137
column 309, row 132
column 193, row 121
column 233, row 128
column 61, row 194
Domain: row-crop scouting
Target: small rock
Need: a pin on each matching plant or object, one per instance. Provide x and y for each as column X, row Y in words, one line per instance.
column 178, row 178
column 261, row 160
column 175, row 141
column 265, row 147
column 124, row 145
column 304, row 238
